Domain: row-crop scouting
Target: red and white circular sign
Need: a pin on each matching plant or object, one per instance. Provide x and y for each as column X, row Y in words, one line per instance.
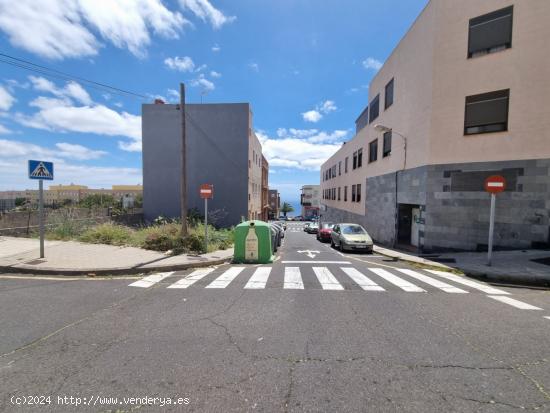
column 495, row 184
column 206, row 191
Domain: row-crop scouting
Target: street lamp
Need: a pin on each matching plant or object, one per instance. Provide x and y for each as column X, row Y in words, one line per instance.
column 384, row 129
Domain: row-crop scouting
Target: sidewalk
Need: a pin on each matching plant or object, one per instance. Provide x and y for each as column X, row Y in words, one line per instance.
column 514, row 267
column 21, row 255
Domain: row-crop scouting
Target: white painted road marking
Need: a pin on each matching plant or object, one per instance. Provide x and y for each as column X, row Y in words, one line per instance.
column 514, row 303
column 315, row 262
column 151, row 280
column 448, row 288
column 327, row 280
column 461, row 280
column 223, row 280
column 547, row 317
column 293, row 279
column 362, row 280
column 395, row 280
column 259, row 278
column 192, row 278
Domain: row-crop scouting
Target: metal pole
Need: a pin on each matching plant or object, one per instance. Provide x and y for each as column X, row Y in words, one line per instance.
column 41, row 215
column 491, row 229
column 205, row 225
column 183, row 188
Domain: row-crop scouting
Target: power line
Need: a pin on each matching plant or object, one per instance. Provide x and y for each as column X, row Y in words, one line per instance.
column 54, row 73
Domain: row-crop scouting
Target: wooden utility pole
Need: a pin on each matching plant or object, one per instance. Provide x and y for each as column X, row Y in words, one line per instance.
column 183, row 188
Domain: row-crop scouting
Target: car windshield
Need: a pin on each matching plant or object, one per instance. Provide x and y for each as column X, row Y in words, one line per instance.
column 327, row 225
column 353, row 230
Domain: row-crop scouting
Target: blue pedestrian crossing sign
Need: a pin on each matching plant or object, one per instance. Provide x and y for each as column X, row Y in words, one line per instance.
column 41, row 170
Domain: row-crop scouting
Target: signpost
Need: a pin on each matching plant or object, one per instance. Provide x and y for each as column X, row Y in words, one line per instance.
column 206, row 192
column 494, row 185
column 41, row 170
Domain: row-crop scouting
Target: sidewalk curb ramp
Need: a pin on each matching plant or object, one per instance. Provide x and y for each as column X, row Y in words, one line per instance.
column 142, row 269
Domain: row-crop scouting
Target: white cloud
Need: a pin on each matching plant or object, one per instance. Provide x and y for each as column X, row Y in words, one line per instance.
column 204, row 10
column 312, row 116
column 300, row 149
column 77, row 92
column 71, row 90
column 315, row 115
column 173, row 95
column 78, row 152
column 312, row 135
column 254, row 66
column 4, row 130
column 60, row 113
column 183, row 64
column 372, row 63
column 213, row 73
column 327, row 106
column 6, row 99
column 216, row 48
column 13, row 164
column 62, row 29
column 203, row 83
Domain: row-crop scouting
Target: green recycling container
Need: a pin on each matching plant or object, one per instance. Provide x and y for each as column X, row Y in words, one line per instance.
column 253, row 243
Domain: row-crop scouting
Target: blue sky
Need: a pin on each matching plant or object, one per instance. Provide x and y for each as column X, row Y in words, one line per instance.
column 304, row 65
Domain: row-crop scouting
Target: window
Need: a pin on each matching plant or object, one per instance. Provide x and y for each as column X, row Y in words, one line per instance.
column 360, row 158
column 487, row 112
column 338, row 193
column 345, row 194
column 346, row 165
column 339, row 168
column 386, row 149
column 354, row 160
column 358, row 196
column 491, row 32
column 353, row 193
column 373, row 151
column 388, row 99
column 374, row 108
column 334, row 171
column 334, row 194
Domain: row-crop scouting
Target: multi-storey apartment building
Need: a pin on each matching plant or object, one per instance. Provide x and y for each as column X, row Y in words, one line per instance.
column 57, row 194
column 462, row 97
column 274, row 204
column 265, row 189
column 310, row 201
column 222, row 150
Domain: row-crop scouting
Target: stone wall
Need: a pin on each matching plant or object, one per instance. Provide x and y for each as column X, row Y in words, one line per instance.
column 25, row 222
column 458, row 220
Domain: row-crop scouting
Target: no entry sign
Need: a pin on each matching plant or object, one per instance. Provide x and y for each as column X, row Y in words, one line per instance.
column 206, row 191
column 495, row 184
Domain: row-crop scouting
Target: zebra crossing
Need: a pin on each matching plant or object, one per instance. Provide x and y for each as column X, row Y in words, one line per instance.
column 333, row 278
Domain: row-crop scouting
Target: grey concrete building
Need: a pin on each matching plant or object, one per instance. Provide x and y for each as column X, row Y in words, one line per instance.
column 463, row 96
column 222, row 150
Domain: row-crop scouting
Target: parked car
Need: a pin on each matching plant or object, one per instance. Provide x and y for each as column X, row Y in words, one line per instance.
column 312, row 228
column 351, row 237
column 298, row 218
column 325, row 229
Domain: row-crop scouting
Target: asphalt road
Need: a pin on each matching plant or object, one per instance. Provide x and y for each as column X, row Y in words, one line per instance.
column 314, row 331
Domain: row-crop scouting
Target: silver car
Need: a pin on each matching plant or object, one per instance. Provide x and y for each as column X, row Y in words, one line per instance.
column 351, row 237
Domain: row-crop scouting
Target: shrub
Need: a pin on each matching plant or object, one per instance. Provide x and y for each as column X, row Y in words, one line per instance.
column 110, row 234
